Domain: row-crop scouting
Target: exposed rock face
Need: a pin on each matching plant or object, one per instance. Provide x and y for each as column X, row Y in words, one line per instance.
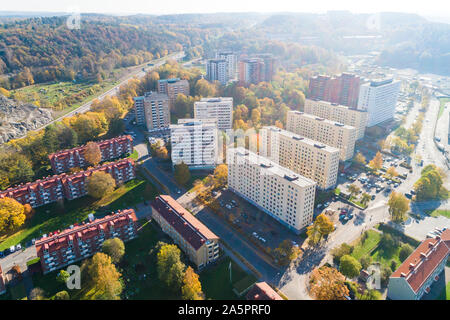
column 17, row 118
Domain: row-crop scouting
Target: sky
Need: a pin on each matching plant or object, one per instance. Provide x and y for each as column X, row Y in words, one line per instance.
column 424, row 8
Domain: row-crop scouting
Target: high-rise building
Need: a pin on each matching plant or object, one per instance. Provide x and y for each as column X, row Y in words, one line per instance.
column 342, row 89
column 219, row 108
column 269, row 65
column 304, row 156
column 152, row 110
column 173, row 87
column 281, row 193
column 332, row 133
column 251, row 71
column 195, row 142
column 231, row 59
column 199, row 243
column 339, row 113
column 217, row 70
column 379, row 99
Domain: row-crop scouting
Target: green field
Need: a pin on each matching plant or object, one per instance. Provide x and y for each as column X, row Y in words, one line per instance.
column 439, row 212
column 443, row 101
column 372, row 241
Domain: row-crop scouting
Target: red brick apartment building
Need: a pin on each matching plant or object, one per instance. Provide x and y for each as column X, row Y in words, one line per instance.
column 60, row 249
column 64, row 160
column 199, row 243
column 415, row 276
column 52, row 189
column 262, row 291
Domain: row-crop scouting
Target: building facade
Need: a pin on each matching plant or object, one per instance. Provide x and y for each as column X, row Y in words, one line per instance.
column 152, row 110
column 173, row 87
column 304, row 156
column 217, row 70
column 79, row 242
column 195, row 142
column 219, row 108
column 231, row 59
column 64, row 160
column 339, row 113
column 415, row 276
column 199, row 243
column 281, row 193
column 379, row 99
column 251, row 71
column 342, row 89
column 329, row 132
column 63, row 186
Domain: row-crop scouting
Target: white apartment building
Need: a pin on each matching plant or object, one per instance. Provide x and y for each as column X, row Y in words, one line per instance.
column 215, row 108
column 332, row 133
column 152, row 110
column 195, row 142
column 379, row 99
column 304, row 156
column 339, row 113
column 283, row 194
column 231, row 59
column 217, row 70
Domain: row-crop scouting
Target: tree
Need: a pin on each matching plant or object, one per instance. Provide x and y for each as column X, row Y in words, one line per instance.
column 365, row 261
column 181, row 173
column 365, row 198
column 405, row 252
column 340, row 251
column 220, row 177
column 321, row 227
column 103, row 278
column 327, row 283
column 286, row 252
column 114, row 248
column 62, row 276
column 429, row 185
column 398, row 206
column 92, row 153
column 162, row 153
column 349, row 266
column 192, row 288
column 99, row 184
column 12, row 214
column 377, row 162
column 392, row 172
column 360, row 159
column 169, row 266
column 353, row 189
column 37, row 294
column 62, row 295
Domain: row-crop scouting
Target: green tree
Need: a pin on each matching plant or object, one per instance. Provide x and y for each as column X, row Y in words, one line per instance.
column 349, row 266
column 365, row 198
column 181, row 173
column 405, row 252
column 353, row 189
column 398, row 207
column 169, row 266
column 62, row 276
column 338, row 252
column 114, row 248
column 62, row 295
column 100, row 184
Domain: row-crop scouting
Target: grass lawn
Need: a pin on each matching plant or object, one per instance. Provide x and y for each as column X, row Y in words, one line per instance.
column 384, row 257
column 57, row 216
column 439, row 212
column 367, row 246
column 134, row 155
column 445, row 295
column 443, row 101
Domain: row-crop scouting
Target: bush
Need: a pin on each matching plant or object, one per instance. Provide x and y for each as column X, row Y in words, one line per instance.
column 405, row 252
column 393, row 265
column 365, row 261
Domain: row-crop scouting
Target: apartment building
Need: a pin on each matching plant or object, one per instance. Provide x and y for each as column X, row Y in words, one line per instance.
column 63, row 186
column 79, row 242
column 231, row 59
column 414, row 279
column 329, row 132
column 195, row 142
column 269, row 66
column 379, row 99
column 217, row 70
column 281, row 193
column 251, row 71
column 339, row 113
column 304, row 156
column 152, row 110
column 64, row 160
column 262, row 291
column 199, row 243
column 173, row 87
column 342, row 89
column 219, row 108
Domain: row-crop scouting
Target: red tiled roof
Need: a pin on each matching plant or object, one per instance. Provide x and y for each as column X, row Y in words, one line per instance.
column 262, row 291
column 418, row 267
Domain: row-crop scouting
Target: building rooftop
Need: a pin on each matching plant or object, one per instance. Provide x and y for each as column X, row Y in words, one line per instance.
column 337, row 105
column 329, row 122
column 262, row 291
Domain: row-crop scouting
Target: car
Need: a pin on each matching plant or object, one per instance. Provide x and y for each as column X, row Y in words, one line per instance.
column 12, row 249
column 228, row 206
column 319, row 206
column 178, row 191
column 344, row 211
column 412, row 191
column 18, row 247
column 408, row 195
column 373, row 197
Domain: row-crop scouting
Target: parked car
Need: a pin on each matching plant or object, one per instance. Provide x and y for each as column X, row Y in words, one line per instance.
column 12, row 249
column 408, row 195
column 18, row 247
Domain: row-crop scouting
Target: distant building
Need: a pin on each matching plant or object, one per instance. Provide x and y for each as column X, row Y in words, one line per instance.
column 64, row 160
column 262, row 291
column 231, row 59
column 79, row 242
column 339, row 113
column 342, row 89
column 379, row 99
column 199, row 243
column 152, row 110
column 415, row 276
column 173, row 87
column 219, row 108
column 63, row 186
column 251, row 71
column 195, row 142
column 269, row 66
column 281, row 193
column 329, row 132
column 304, row 156
column 217, row 70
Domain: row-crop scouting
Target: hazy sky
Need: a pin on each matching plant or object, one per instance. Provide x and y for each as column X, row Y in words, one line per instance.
column 428, row 7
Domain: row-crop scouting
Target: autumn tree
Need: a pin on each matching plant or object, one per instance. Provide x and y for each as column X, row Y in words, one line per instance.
column 392, row 172
column 62, row 295
column 37, row 294
column 349, row 266
column 398, row 206
column 92, row 153
column 99, row 184
column 286, row 252
column 114, row 248
column 377, row 162
column 321, row 227
column 360, row 159
column 429, row 185
column 192, row 288
column 12, row 214
column 169, row 266
column 181, row 173
column 353, row 189
column 220, row 176
column 327, row 283
column 365, row 198
column 102, row 277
